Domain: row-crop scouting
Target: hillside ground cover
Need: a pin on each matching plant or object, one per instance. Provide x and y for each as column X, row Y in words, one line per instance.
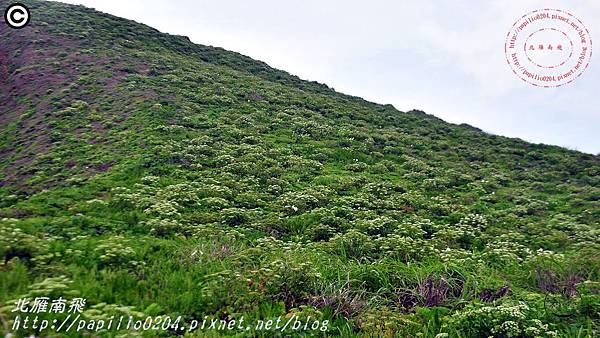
column 155, row 177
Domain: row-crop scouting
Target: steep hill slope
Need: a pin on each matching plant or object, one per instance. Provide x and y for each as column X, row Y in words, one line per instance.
column 142, row 170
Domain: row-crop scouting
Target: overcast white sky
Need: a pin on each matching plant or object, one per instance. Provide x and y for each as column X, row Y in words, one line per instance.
column 443, row 57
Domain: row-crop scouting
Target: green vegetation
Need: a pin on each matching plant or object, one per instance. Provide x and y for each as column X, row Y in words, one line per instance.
column 153, row 176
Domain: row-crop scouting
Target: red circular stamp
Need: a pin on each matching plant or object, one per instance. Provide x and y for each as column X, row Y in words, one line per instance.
column 548, row 48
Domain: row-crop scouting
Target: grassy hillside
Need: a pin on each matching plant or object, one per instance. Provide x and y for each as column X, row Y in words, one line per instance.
column 156, row 177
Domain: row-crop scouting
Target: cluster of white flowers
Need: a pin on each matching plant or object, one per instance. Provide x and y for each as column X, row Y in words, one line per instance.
column 504, row 251
column 413, row 229
column 150, row 180
column 270, row 244
column 96, row 202
column 414, row 164
column 215, row 203
column 474, row 220
column 114, row 251
column 507, row 320
column 50, row 288
column 435, row 183
column 170, row 128
column 459, row 256
column 128, row 197
column 546, row 255
column 163, row 227
column 357, row 166
column 537, row 328
column 301, row 201
column 352, row 244
column 441, row 205
column 375, row 226
column 477, row 188
column 509, row 328
column 12, row 236
column 586, row 233
column 406, row 248
column 163, row 209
